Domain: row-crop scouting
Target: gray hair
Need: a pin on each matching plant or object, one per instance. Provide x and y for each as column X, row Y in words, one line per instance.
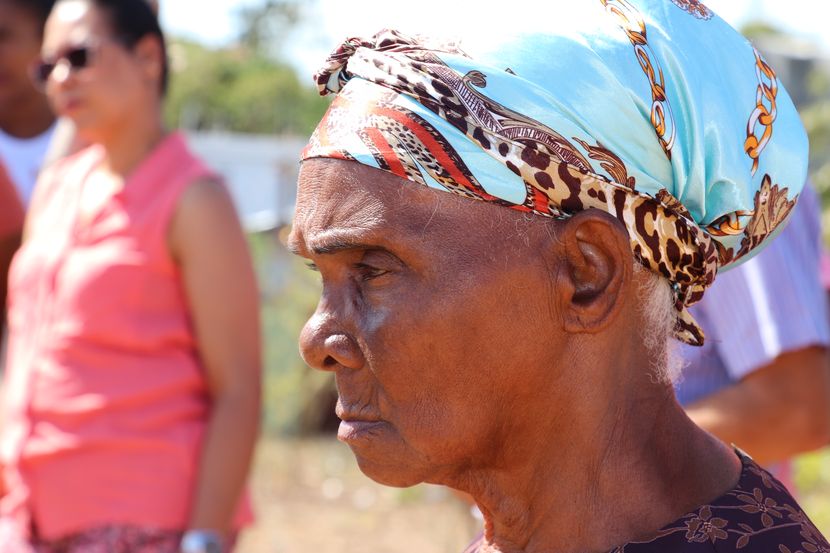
column 658, row 317
column 656, row 306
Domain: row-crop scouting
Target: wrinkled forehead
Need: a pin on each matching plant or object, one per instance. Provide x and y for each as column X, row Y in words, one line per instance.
column 332, row 191
column 361, row 203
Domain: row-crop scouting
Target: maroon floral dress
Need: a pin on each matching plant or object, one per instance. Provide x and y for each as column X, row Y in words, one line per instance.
column 758, row 515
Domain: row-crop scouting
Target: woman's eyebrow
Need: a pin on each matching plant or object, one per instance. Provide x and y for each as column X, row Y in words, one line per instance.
column 339, row 245
column 336, row 239
column 327, row 246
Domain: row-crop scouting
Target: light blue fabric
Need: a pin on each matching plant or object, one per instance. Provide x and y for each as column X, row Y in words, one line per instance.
column 591, row 85
column 588, row 81
column 653, row 110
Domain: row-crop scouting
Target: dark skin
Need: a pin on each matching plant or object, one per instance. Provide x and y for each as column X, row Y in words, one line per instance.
column 500, row 357
column 776, row 412
column 24, row 110
column 8, row 245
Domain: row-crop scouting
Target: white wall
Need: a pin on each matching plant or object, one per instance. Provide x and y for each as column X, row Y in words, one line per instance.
column 260, row 171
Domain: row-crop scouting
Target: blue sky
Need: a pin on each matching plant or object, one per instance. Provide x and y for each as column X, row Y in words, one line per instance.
column 213, row 21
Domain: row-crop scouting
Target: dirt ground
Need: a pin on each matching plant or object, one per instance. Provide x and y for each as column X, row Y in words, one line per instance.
column 310, row 497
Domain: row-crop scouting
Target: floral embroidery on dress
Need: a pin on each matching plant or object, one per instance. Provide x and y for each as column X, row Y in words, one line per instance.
column 757, row 516
column 704, row 527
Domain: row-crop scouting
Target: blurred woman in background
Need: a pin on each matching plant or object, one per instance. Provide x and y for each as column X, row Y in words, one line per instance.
column 133, row 376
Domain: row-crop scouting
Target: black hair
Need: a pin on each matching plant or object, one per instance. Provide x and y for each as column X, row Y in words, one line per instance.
column 39, row 8
column 132, row 20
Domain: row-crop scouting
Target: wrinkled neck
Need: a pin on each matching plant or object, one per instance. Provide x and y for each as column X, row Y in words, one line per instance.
column 595, row 464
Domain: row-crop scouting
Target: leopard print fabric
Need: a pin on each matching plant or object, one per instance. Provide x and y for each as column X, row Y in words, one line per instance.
column 561, row 175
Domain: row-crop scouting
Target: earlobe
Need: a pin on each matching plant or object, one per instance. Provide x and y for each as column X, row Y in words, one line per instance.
column 597, row 268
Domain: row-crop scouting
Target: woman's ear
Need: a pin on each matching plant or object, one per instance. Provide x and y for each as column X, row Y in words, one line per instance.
column 150, row 56
column 596, row 268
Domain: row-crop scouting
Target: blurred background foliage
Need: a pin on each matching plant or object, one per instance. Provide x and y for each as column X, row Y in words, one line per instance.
column 239, row 90
column 249, row 87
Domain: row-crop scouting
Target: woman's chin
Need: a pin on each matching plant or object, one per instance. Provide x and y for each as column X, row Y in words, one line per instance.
column 393, row 476
column 398, row 471
column 86, row 130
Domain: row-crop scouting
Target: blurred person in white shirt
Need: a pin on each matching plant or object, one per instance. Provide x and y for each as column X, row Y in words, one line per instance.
column 26, row 120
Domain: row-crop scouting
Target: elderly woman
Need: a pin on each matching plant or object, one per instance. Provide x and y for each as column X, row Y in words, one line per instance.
column 518, row 347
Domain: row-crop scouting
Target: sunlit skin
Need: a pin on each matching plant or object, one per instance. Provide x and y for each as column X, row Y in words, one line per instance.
column 24, row 111
column 9, row 242
column 497, row 355
column 776, row 412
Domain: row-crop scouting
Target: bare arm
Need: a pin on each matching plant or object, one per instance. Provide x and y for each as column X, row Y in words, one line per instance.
column 776, row 412
column 8, row 245
column 11, row 226
column 210, row 247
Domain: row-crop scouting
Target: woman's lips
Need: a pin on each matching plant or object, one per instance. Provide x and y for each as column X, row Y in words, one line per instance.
column 70, row 105
column 353, row 430
column 359, row 420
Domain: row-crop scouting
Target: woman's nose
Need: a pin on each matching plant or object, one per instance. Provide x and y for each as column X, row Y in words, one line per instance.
column 326, row 347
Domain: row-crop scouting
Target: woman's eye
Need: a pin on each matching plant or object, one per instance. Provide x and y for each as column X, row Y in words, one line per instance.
column 368, row 272
column 312, row 266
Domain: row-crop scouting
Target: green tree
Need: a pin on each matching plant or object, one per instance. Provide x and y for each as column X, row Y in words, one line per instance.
column 238, row 89
column 248, row 87
column 264, row 28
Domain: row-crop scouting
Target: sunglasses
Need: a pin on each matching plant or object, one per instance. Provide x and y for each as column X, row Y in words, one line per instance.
column 77, row 58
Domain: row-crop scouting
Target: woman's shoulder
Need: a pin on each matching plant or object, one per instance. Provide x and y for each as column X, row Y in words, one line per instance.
column 170, row 169
column 757, row 515
column 205, row 203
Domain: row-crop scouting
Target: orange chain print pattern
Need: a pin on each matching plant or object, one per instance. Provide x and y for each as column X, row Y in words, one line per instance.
column 695, row 8
column 662, row 117
column 763, row 114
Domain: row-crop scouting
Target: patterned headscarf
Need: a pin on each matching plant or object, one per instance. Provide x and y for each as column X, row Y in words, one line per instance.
column 655, row 111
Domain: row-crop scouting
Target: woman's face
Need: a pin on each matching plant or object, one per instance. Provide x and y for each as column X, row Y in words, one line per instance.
column 435, row 318
column 96, row 82
column 20, row 36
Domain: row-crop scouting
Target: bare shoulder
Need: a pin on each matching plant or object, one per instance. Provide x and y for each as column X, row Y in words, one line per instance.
column 205, row 211
column 204, row 193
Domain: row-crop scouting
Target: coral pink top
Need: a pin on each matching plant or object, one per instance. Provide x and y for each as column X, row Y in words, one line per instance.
column 11, row 209
column 106, row 402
